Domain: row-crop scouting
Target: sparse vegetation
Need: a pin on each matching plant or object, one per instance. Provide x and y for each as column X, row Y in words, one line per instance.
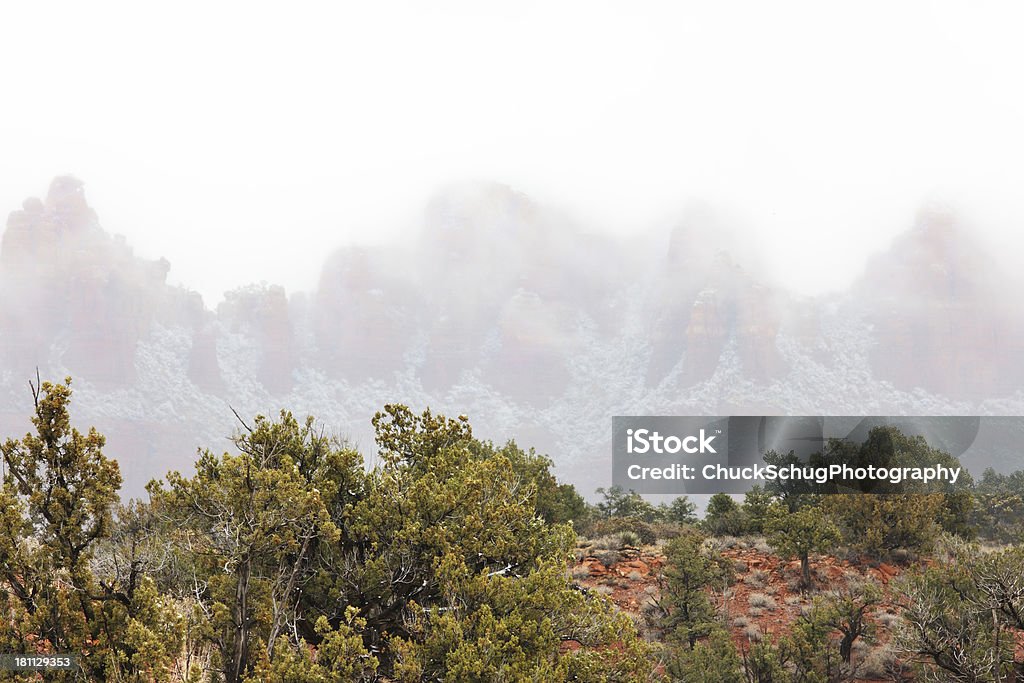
column 288, row 560
column 762, row 600
column 756, row 579
column 579, row 572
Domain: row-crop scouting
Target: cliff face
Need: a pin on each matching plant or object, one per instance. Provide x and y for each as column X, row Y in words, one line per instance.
column 493, row 285
column 705, row 302
column 944, row 320
column 261, row 313
column 76, row 286
column 507, row 283
column 501, row 309
column 364, row 314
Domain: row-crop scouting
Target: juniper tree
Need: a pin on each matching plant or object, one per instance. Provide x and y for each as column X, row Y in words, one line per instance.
column 681, row 511
column 438, row 564
column 800, row 533
column 617, row 502
column 459, row 577
column 554, row 502
column 724, row 516
column 713, row 660
column 962, row 616
column 685, row 613
column 57, row 521
column 250, row 524
column 846, row 609
column 756, row 504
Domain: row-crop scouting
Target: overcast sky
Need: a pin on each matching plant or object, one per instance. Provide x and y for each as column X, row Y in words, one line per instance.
column 243, row 141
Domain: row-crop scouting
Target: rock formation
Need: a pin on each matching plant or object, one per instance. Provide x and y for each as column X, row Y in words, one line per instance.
column 76, row 286
column 506, row 311
column 943, row 317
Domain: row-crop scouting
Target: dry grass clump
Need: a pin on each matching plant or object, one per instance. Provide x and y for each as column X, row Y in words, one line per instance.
column 763, row 601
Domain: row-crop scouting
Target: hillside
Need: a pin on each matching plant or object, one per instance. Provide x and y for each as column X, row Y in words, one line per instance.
column 763, row 603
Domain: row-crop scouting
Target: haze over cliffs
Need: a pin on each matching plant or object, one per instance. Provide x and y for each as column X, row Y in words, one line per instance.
column 502, row 309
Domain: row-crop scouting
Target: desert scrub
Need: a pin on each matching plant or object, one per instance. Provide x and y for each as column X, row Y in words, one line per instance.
column 607, row 557
column 887, row 619
column 580, row 572
column 879, row 663
column 756, row 579
column 727, row 542
column 610, row 542
column 629, row 539
column 761, row 600
column 753, row 633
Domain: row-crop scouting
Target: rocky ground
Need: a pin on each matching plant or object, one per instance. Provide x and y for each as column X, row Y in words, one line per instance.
column 763, row 602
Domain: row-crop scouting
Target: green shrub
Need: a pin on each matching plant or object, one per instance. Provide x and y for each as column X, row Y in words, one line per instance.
column 617, row 525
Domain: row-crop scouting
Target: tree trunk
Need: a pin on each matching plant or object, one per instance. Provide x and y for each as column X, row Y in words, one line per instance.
column 241, row 645
column 805, row 570
column 281, row 612
column 846, row 647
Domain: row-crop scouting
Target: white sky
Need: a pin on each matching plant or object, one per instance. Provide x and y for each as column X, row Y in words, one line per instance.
column 244, row 141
